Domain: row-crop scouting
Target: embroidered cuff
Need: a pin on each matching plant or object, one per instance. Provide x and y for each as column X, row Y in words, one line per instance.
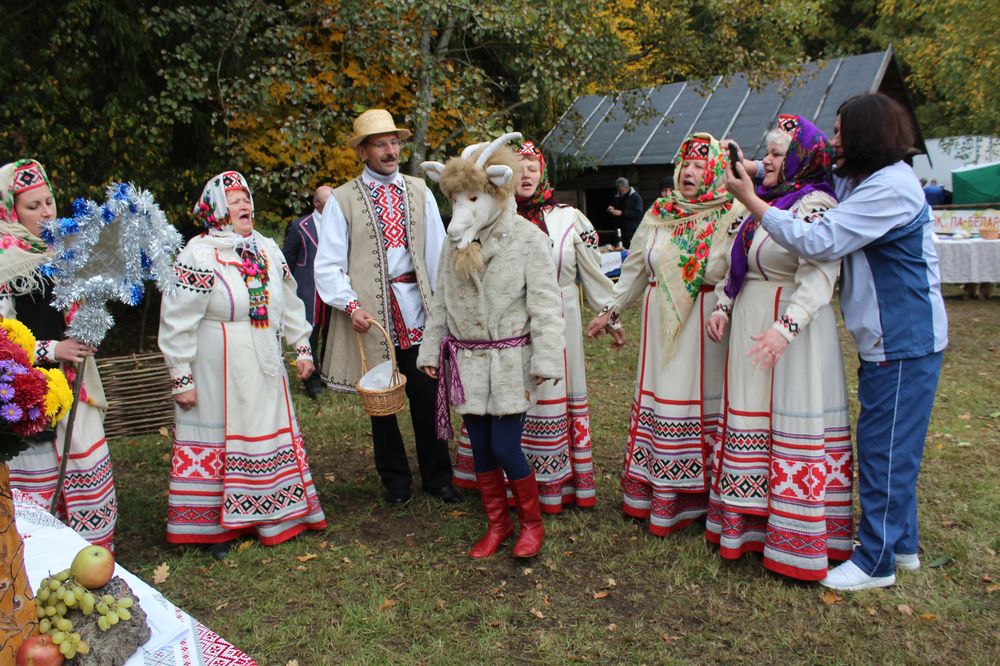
column 45, row 352
column 787, row 327
column 590, row 238
column 303, row 353
column 352, row 306
column 181, row 380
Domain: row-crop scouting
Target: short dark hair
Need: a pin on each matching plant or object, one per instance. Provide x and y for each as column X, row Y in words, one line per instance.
column 875, row 131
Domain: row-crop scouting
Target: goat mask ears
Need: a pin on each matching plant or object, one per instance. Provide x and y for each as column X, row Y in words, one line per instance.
column 499, row 174
column 433, row 170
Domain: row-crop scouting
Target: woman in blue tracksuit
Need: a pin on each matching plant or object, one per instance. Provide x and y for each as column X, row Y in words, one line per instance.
column 891, row 300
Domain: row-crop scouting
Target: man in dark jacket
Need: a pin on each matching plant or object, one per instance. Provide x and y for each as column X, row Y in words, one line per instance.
column 626, row 208
column 301, row 241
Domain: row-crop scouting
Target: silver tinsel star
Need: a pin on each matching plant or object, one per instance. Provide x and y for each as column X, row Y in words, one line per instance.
column 106, row 252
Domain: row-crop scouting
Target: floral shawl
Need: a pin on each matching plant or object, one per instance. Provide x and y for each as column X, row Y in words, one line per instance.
column 695, row 225
column 533, row 208
column 21, row 252
column 807, row 168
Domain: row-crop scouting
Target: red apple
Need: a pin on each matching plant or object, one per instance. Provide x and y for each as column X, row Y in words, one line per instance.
column 39, row 651
column 93, row 567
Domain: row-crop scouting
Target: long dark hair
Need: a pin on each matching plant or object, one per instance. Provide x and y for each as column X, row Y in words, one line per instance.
column 875, row 131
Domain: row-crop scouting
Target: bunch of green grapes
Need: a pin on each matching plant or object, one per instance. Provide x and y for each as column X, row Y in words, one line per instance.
column 58, row 594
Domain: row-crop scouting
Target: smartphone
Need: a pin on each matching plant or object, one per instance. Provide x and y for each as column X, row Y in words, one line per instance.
column 734, row 157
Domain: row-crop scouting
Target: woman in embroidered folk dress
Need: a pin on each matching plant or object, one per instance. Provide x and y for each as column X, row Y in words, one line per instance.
column 239, row 463
column 89, row 503
column 678, row 255
column 556, row 435
column 891, row 300
column 782, row 481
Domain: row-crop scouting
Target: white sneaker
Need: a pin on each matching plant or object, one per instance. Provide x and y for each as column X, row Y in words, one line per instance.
column 907, row 561
column 849, row 577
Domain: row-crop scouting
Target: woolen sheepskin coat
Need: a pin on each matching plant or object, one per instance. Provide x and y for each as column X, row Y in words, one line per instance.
column 515, row 293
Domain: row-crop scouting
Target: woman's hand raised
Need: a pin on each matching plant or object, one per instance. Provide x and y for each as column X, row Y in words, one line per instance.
column 71, row 350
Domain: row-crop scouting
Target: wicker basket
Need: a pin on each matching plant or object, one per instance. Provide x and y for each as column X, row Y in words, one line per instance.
column 387, row 401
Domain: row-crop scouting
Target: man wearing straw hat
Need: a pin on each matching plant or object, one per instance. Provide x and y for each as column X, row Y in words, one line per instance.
column 378, row 259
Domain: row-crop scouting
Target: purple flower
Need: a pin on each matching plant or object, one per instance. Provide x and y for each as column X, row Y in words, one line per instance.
column 11, row 413
column 6, row 392
column 34, row 413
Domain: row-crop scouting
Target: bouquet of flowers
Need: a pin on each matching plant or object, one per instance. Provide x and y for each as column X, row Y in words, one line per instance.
column 31, row 398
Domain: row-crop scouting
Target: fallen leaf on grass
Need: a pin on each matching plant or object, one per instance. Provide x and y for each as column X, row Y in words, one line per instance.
column 940, row 561
column 526, row 571
column 904, row 609
column 612, row 627
column 494, row 623
column 244, row 545
column 537, row 613
column 457, row 513
column 161, row 574
column 305, row 558
column 221, row 606
column 611, row 582
column 346, row 560
column 299, row 567
column 668, row 639
column 387, row 604
column 165, row 457
column 292, row 662
column 440, row 604
column 568, row 553
column 398, row 586
column 601, row 594
column 267, row 560
column 928, row 617
column 871, row 610
column 986, row 578
column 164, row 432
column 964, row 444
column 323, row 545
column 947, row 523
column 990, row 589
column 330, row 477
column 830, row 597
column 964, row 417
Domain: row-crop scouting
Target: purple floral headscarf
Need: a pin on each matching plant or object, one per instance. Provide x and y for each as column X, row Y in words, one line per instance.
column 807, row 168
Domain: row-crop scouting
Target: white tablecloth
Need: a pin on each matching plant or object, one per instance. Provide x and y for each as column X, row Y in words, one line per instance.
column 972, row 260
column 177, row 638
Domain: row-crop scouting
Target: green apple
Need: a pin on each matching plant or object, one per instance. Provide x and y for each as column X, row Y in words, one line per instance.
column 93, row 567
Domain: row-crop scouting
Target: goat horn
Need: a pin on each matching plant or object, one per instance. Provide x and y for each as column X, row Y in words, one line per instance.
column 470, row 149
column 492, row 148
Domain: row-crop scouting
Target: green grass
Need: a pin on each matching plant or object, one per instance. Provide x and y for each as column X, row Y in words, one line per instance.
column 396, row 587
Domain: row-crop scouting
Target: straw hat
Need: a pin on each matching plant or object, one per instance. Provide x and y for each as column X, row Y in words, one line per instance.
column 375, row 121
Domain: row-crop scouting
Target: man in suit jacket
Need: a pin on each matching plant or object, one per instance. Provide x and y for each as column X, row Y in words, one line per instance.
column 301, row 242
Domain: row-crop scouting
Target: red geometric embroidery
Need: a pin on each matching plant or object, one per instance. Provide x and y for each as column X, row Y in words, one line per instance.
column 195, row 462
column 391, row 212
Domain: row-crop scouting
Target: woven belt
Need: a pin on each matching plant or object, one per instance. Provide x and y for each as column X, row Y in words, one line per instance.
column 395, row 314
column 449, row 389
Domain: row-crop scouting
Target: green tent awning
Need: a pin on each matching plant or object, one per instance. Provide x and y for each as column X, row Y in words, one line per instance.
column 976, row 184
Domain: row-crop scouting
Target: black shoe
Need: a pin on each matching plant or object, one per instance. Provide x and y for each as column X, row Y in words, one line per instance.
column 314, row 392
column 446, row 494
column 219, row 551
column 397, row 499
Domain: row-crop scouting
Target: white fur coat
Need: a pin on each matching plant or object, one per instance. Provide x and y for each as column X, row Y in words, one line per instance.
column 515, row 293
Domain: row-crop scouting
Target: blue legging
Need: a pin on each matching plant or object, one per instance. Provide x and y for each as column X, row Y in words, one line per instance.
column 496, row 442
column 896, row 399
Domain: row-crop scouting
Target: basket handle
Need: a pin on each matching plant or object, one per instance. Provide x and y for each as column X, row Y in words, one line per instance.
column 396, row 379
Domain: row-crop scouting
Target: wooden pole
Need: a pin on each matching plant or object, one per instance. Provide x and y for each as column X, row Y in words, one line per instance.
column 70, row 420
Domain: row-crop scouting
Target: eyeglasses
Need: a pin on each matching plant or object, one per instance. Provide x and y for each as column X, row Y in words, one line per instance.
column 383, row 145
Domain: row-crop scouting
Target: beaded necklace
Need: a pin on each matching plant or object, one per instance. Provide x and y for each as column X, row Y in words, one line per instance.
column 255, row 275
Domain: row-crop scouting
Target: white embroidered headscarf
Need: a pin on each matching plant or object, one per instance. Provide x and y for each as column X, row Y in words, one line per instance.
column 21, row 252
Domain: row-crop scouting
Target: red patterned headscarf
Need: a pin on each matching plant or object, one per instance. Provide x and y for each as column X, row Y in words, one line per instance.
column 534, row 207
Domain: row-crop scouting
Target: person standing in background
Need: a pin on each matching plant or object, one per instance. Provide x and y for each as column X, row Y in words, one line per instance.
column 626, row 209
column 301, row 243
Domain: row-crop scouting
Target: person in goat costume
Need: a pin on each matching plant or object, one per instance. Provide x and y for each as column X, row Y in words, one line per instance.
column 494, row 332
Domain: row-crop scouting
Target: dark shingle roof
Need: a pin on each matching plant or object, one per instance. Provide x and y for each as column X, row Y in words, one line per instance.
column 668, row 113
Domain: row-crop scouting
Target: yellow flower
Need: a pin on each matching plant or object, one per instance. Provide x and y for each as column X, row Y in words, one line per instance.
column 59, row 398
column 20, row 336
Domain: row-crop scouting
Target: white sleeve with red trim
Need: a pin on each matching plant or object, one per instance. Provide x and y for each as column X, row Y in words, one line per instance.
column 182, row 311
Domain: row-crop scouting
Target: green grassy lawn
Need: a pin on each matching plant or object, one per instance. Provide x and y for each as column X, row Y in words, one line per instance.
column 394, row 586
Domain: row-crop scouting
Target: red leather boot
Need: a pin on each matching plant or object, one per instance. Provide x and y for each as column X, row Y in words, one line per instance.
column 494, row 495
column 529, row 513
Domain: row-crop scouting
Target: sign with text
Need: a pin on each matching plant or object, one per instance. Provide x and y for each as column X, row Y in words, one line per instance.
column 967, row 219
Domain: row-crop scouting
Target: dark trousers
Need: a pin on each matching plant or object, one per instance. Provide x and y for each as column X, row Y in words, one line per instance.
column 896, row 399
column 496, row 442
column 432, row 453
